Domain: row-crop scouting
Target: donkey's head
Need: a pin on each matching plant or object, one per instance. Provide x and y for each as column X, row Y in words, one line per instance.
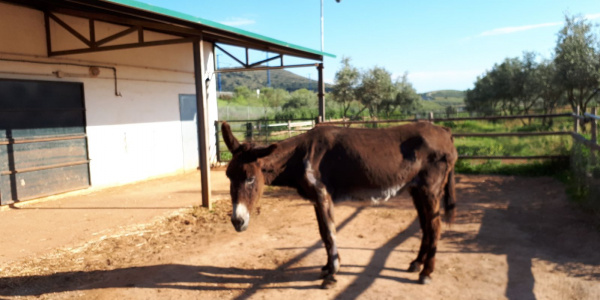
column 245, row 176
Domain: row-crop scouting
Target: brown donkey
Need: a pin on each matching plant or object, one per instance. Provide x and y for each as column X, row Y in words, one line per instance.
column 327, row 164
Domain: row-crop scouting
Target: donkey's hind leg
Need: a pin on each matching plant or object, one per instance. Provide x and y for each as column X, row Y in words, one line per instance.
column 324, row 212
column 426, row 197
column 415, row 265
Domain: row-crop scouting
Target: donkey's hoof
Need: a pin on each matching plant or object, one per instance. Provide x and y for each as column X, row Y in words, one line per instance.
column 329, row 282
column 424, row 279
column 324, row 272
column 414, row 267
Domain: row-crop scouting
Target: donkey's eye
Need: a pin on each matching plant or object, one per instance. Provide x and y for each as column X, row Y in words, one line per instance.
column 250, row 180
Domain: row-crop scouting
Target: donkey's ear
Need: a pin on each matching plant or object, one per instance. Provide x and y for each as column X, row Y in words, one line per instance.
column 232, row 143
column 262, row 152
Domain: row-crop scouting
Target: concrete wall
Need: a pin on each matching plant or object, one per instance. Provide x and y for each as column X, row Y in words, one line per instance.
column 131, row 137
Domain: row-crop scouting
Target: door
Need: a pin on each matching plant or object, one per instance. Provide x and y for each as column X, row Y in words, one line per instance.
column 189, row 131
column 43, row 146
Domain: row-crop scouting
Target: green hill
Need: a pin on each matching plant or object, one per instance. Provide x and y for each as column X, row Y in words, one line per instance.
column 280, row 79
column 446, row 94
column 445, row 97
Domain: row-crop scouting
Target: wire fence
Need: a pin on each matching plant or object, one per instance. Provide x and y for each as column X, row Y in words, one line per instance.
column 230, row 112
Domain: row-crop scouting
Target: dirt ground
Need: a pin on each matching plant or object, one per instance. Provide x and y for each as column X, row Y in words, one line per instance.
column 513, row 238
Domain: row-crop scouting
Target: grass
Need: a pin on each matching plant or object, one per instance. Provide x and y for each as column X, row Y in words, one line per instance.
column 555, row 168
column 514, row 146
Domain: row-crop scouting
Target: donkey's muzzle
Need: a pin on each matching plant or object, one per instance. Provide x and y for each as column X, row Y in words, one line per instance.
column 240, row 224
column 240, row 217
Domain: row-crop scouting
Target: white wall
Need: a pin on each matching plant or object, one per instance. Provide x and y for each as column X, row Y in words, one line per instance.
column 131, row 137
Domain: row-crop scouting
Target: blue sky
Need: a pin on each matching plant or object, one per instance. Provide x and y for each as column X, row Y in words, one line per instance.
column 440, row 44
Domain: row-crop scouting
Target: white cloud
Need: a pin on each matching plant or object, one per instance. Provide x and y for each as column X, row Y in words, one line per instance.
column 237, row 22
column 509, row 30
column 592, row 16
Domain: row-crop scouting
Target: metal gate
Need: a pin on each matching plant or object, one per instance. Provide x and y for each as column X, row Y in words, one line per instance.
column 43, row 145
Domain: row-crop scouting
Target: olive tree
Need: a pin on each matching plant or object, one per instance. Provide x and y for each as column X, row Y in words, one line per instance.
column 376, row 87
column 344, row 88
column 577, row 62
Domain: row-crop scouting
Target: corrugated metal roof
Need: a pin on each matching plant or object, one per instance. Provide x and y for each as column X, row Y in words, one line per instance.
column 183, row 16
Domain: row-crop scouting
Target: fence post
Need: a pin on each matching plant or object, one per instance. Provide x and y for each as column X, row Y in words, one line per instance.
column 576, row 118
column 431, row 117
column 249, row 131
column 218, row 148
column 289, row 129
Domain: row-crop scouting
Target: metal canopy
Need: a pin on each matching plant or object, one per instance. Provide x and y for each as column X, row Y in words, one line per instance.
column 138, row 17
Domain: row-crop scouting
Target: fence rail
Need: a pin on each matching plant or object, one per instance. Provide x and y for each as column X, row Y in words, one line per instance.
column 431, row 118
column 517, row 134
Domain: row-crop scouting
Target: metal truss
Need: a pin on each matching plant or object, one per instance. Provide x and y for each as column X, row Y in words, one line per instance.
column 92, row 44
column 256, row 66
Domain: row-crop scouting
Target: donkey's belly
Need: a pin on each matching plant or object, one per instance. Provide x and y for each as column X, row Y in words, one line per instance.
column 372, row 194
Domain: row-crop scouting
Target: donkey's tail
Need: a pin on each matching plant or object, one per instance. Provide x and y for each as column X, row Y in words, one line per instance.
column 450, row 198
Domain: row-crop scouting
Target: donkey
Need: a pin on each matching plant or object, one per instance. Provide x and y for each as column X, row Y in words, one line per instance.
column 329, row 163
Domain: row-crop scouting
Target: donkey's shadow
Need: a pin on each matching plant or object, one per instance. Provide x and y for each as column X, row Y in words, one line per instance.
column 169, row 276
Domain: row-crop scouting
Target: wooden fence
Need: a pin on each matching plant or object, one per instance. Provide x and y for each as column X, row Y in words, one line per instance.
column 592, row 118
column 262, row 131
column 431, row 118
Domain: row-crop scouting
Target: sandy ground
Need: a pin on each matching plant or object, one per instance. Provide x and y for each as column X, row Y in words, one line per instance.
column 514, row 238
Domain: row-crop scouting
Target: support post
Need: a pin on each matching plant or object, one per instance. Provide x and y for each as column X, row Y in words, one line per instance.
column 199, row 71
column 594, row 125
column 576, row 120
column 321, row 93
column 217, row 146
column 593, row 158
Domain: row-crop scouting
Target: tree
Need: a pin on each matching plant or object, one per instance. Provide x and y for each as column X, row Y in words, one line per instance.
column 577, row 62
column 526, row 88
column 344, row 88
column 302, row 103
column 375, row 88
column 512, row 86
column 242, row 92
column 549, row 88
column 406, row 97
column 480, row 98
column 301, row 98
column 450, row 110
column 504, row 87
column 274, row 98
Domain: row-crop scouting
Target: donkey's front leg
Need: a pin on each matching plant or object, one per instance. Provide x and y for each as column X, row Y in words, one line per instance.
column 324, row 211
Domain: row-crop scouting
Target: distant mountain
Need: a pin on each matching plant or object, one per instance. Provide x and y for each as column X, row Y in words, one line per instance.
column 280, row 79
column 443, row 95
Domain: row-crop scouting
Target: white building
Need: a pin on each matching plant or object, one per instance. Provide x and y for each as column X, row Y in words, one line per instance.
column 104, row 93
